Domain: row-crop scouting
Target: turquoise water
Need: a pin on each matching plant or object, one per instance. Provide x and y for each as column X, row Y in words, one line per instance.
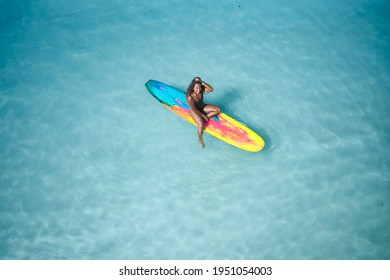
column 93, row 167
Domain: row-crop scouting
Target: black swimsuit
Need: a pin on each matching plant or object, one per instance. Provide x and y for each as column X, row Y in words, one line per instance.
column 199, row 104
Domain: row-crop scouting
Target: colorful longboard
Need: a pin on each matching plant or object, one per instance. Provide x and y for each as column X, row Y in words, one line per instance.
column 222, row 126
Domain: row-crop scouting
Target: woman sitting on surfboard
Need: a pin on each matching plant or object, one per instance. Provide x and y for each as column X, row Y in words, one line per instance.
column 200, row 111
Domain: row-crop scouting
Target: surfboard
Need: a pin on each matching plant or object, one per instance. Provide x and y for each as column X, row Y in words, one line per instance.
column 222, row 126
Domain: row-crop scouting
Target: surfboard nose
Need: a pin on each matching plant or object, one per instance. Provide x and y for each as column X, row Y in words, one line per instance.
column 155, row 84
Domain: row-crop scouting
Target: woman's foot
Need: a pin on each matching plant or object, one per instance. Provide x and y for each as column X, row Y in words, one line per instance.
column 201, row 143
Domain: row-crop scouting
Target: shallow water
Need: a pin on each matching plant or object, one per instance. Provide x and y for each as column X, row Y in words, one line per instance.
column 93, row 167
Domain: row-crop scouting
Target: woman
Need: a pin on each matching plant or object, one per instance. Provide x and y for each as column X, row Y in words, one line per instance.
column 200, row 111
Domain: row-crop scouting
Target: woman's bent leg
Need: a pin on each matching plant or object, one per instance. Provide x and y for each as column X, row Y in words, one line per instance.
column 212, row 110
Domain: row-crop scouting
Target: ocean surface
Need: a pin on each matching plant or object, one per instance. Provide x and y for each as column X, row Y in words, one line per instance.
column 93, row 167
